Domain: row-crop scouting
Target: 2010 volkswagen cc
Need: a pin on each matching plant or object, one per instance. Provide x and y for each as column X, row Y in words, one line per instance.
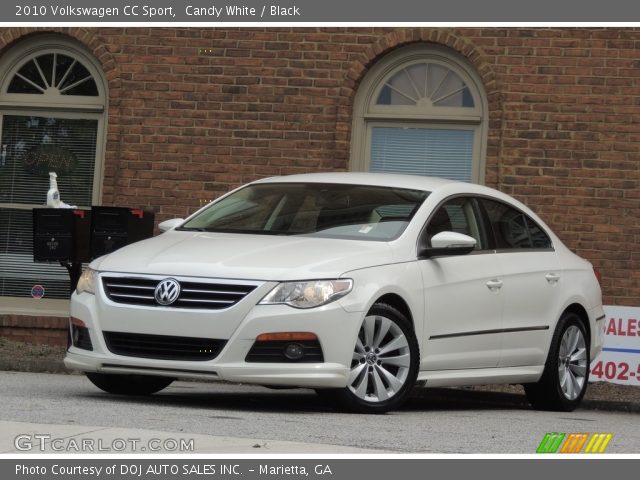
column 356, row 285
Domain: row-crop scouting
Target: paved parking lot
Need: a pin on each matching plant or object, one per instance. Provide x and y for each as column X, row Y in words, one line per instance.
column 259, row 420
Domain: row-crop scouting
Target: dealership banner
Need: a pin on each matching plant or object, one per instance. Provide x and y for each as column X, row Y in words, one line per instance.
column 619, row 361
column 354, row 11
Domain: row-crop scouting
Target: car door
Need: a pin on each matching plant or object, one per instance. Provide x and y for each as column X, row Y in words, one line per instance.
column 463, row 301
column 531, row 288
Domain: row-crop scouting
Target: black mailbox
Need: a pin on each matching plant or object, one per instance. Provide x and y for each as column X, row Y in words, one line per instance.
column 61, row 235
column 115, row 227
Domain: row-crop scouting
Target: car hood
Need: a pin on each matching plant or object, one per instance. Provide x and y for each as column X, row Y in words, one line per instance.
column 255, row 257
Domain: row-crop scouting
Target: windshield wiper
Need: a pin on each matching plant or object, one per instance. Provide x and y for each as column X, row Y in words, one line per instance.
column 191, row 229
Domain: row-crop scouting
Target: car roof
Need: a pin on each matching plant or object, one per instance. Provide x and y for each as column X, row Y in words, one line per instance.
column 415, row 182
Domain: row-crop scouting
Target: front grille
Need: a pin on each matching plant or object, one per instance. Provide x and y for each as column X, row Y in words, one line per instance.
column 193, row 294
column 272, row 351
column 163, row 347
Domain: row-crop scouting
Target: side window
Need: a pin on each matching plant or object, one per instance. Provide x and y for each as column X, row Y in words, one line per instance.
column 539, row 238
column 514, row 229
column 458, row 215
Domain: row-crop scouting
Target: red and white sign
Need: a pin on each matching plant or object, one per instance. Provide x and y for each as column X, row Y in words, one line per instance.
column 619, row 361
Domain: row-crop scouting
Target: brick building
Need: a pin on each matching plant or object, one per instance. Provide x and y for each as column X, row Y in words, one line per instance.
column 173, row 117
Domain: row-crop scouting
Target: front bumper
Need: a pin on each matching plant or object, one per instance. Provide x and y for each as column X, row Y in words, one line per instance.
column 239, row 325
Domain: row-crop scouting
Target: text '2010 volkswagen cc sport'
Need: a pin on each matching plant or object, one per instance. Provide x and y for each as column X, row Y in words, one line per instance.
column 356, row 285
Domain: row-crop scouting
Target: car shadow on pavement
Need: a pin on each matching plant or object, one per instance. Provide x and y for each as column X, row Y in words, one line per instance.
column 306, row 401
column 463, row 399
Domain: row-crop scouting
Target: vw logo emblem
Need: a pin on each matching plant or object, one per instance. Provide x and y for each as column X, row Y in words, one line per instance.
column 167, row 291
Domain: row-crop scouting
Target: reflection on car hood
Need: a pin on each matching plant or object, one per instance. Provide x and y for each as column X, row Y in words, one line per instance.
column 257, row 257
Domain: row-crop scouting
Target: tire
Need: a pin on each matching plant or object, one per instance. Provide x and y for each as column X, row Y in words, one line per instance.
column 566, row 372
column 381, row 378
column 129, row 384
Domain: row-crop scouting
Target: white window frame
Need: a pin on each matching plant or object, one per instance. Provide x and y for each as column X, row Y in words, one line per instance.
column 52, row 105
column 367, row 114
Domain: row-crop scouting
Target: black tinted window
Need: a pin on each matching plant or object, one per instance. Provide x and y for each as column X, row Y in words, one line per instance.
column 539, row 239
column 514, row 229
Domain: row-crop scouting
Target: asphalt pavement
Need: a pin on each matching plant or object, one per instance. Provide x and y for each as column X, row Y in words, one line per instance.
column 226, row 418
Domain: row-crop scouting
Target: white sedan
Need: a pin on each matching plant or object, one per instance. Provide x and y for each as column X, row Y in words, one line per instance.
column 357, row 285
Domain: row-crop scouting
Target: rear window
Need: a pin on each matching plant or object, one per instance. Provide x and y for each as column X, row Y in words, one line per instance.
column 514, row 229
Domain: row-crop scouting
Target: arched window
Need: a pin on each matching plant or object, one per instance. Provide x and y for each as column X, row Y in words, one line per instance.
column 421, row 110
column 52, row 103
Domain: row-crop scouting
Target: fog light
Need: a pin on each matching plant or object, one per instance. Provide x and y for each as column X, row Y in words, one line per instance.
column 294, row 351
column 79, row 334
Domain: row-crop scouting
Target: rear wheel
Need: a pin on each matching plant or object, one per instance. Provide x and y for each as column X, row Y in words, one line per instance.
column 384, row 363
column 129, row 384
column 566, row 373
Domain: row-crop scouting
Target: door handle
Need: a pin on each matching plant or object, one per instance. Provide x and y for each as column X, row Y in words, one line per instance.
column 552, row 278
column 494, row 285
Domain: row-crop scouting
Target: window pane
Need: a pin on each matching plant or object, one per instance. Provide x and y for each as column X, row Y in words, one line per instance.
column 313, row 209
column 451, row 92
column 87, row 88
column 46, row 65
column 435, row 77
column 509, row 225
column 63, row 63
column 18, row 85
column 425, row 85
column 18, row 272
column 460, row 98
column 390, row 97
column 444, row 153
column 29, row 80
column 68, row 76
column 35, row 146
column 539, row 238
column 30, row 72
column 78, row 82
column 418, row 74
column 457, row 215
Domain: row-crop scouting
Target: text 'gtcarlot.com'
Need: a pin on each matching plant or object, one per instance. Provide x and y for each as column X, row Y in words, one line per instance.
column 47, row 443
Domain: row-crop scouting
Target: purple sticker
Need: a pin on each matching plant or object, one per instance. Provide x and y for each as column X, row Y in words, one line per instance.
column 37, row 291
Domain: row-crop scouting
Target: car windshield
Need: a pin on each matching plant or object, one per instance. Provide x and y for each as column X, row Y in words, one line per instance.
column 313, row 209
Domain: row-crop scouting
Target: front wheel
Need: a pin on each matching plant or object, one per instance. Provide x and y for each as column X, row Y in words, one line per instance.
column 129, row 384
column 384, row 364
column 566, row 373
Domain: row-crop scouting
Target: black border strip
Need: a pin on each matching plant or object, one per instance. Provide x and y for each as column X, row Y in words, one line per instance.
column 489, row 332
column 209, row 373
column 601, row 317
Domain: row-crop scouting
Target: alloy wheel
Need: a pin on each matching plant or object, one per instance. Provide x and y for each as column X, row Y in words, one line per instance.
column 572, row 362
column 381, row 360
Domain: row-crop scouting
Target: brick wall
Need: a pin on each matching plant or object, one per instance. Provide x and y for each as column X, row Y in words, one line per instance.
column 564, row 118
column 29, row 329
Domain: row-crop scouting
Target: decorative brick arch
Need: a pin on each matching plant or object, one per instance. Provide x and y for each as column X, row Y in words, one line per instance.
column 95, row 43
column 443, row 37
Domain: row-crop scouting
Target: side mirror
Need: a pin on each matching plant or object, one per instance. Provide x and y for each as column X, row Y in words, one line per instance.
column 169, row 224
column 448, row 243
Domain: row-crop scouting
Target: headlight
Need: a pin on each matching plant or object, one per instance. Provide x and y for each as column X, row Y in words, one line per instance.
column 87, row 281
column 309, row 294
